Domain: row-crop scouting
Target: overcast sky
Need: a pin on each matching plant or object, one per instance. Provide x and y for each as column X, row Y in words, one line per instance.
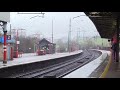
column 60, row 24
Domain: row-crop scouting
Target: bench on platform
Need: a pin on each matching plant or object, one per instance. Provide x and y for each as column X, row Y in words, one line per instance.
column 20, row 54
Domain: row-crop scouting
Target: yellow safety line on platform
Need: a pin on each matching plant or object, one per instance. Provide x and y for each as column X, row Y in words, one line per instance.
column 103, row 75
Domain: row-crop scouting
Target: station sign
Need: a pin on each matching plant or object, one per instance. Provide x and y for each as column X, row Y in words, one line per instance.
column 18, row 42
column 9, row 40
column 8, row 37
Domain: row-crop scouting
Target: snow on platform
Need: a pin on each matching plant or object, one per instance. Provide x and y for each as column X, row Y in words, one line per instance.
column 32, row 57
column 86, row 70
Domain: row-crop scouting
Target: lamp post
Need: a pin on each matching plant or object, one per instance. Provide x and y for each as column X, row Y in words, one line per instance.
column 78, row 37
column 69, row 33
column 69, row 37
column 17, row 40
column 4, row 27
column 35, row 44
column 5, row 44
column 52, row 31
column 79, row 28
column 37, row 37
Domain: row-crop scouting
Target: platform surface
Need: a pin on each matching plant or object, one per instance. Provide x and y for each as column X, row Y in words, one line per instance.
column 32, row 57
column 114, row 70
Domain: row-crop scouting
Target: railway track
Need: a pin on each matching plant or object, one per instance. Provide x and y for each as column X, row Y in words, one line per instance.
column 63, row 68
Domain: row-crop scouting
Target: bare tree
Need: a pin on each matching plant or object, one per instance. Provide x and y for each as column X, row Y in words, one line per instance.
column 26, row 44
column 61, row 46
column 74, row 45
column 89, row 43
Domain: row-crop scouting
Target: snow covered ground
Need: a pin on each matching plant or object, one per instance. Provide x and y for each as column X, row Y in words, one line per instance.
column 32, row 57
column 87, row 69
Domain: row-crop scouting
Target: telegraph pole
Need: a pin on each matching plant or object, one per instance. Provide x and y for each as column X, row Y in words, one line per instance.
column 69, row 37
column 52, row 31
column 17, row 42
column 68, row 40
column 77, row 40
column 37, row 38
column 70, row 34
column 78, row 37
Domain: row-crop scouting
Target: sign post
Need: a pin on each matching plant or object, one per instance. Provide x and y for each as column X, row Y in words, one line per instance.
column 4, row 18
column 5, row 44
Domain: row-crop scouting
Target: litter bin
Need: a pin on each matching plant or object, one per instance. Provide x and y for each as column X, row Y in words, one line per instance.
column 15, row 55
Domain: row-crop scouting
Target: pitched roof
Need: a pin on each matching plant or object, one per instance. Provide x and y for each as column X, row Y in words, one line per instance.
column 44, row 40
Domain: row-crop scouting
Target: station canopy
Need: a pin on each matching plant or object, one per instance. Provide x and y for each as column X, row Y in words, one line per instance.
column 105, row 22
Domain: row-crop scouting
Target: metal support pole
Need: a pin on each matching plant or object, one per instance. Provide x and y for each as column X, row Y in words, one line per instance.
column 52, row 31
column 34, row 47
column 77, row 41
column 70, row 36
column 78, row 37
column 52, row 39
column 68, row 40
column 5, row 44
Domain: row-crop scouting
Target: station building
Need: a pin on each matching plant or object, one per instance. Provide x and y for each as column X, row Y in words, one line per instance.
column 46, row 45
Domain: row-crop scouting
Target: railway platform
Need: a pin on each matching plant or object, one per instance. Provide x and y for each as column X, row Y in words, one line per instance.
column 101, row 67
column 94, row 69
column 32, row 57
column 114, row 69
column 108, row 69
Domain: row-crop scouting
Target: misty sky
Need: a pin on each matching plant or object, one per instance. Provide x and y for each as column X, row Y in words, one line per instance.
column 60, row 24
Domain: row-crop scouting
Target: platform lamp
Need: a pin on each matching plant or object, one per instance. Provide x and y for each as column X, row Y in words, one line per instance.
column 81, row 21
column 32, row 13
column 69, row 34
